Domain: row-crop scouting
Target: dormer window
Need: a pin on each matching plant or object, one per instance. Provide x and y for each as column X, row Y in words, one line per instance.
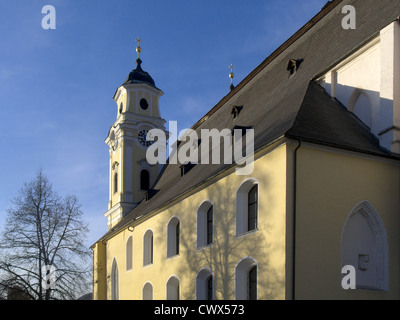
column 235, row 111
column 243, row 130
column 186, row 168
column 293, row 66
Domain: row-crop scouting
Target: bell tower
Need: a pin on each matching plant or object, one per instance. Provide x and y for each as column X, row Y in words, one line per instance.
column 130, row 175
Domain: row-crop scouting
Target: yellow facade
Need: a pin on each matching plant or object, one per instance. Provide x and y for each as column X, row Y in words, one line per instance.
column 330, row 184
column 266, row 245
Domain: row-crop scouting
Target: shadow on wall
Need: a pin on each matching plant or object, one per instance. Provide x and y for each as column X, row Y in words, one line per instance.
column 227, row 250
column 374, row 111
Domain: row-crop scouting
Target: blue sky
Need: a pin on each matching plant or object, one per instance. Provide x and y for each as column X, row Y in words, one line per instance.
column 56, row 86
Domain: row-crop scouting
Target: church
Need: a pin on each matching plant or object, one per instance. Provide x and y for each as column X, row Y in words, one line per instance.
column 318, row 214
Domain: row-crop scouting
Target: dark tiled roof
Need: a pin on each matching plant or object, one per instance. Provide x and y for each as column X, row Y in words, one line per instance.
column 325, row 121
column 277, row 104
column 138, row 75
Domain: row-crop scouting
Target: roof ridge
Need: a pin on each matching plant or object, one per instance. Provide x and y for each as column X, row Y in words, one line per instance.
column 329, row 6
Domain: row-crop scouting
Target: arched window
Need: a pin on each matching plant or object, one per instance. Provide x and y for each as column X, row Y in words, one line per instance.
column 114, row 281
column 364, row 246
column 205, row 224
column 147, row 291
column 173, row 288
column 148, row 248
column 173, row 234
column 252, row 284
column 129, row 254
column 115, row 182
column 246, row 279
column 144, row 179
column 252, row 206
column 204, row 285
column 247, row 207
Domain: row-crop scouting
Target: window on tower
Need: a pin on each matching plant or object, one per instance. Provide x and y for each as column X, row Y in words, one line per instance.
column 144, row 180
column 144, row 104
column 115, row 182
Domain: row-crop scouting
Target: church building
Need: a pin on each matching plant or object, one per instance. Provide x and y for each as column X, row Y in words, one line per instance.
column 317, row 217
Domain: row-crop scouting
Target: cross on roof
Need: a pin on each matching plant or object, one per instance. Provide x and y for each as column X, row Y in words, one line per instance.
column 231, row 76
column 138, row 48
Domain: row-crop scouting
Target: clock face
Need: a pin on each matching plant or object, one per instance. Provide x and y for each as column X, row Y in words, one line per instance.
column 142, row 138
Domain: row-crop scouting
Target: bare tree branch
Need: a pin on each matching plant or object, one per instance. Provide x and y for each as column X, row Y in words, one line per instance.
column 44, row 229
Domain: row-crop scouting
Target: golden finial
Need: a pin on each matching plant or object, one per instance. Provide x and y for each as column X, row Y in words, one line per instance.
column 231, row 76
column 138, row 48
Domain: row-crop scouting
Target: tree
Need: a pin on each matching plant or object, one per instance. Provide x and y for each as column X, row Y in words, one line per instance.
column 41, row 248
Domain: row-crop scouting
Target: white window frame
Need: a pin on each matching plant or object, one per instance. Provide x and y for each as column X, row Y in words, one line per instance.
column 202, row 224
column 241, row 206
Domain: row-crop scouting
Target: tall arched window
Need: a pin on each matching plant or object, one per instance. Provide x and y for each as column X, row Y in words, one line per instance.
column 173, row 234
column 205, row 224
column 252, row 284
column 246, row 279
column 144, row 179
column 173, row 288
column 114, row 281
column 252, row 208
column 204, row 285
column 147, row 291
column 247, row 207
column 364, row 246
column 129, row 254
column 115, row 182
column 148, row 248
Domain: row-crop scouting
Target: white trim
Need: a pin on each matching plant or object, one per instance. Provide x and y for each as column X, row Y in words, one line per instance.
column 241, row 207
column 119, row 171
column 197, row 289
column 128, row 164
column 201, row 226
column 239, row 295
column 110, row 184
column 143, row 87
